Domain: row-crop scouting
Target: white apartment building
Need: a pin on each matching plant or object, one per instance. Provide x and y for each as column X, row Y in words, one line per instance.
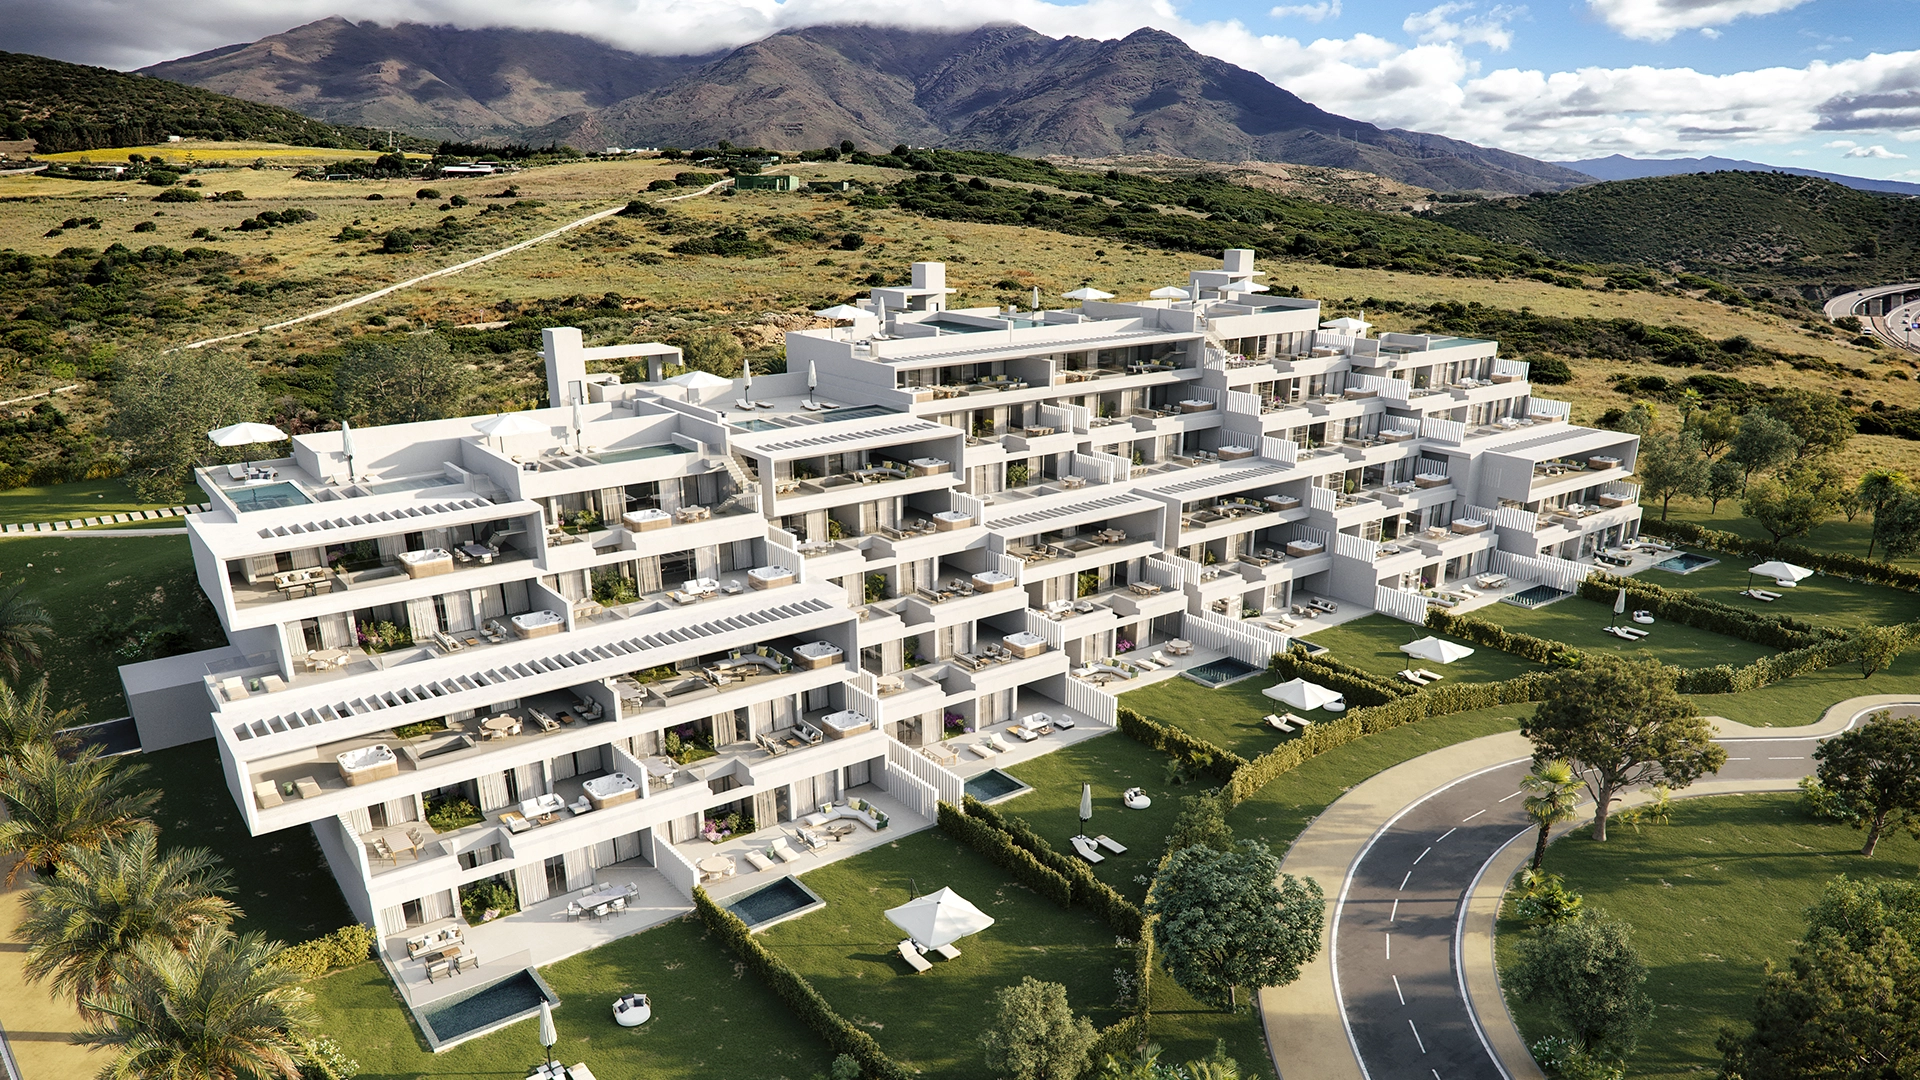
column 935, row 519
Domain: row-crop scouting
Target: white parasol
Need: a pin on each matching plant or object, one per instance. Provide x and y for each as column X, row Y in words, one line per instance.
column 746, row 379
column 813, row 379
column 248, row 434
column 548, row 1036
column 1087, row 292
column 346, row 446
column 1170, row 292
column 940, row 919
column 1302, row 694
column 1784, row 573
column 699, row 380
column 1438, row 650
column 506, row 424
column 1086, row 806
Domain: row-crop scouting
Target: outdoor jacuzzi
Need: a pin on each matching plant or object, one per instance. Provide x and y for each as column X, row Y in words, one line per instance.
column 992, row 581
column 845, row 723
column 538, row 623
column 1025, row 644
column 610, row 790
column 646, row 520
column 769, row 577
column 368, row 763
column 426, row 563
column 816, row 654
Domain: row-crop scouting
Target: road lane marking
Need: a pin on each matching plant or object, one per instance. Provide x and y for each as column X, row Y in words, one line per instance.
column 1403, row 882
column 1423, row 855
column 1417, row 1038
column 1515, row 795
column 1389, row 944
column 1471, row 816
column 1739, row 759
column 1798, row 757
column 1397, row 990
column 1448, row 833
column 1396, row 910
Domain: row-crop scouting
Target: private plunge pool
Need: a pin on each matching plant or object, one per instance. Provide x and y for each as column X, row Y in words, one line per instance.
column 1684, row 562
column 993, row 786
column 470, row 1014
column 775, row 903
column 1219, row 673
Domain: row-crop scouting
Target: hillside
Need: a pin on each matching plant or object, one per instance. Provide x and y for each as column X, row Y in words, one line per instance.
column 1621, row 167
column 1740, row 226
column 434, row 80
column 1000, row 87
column 66, row 107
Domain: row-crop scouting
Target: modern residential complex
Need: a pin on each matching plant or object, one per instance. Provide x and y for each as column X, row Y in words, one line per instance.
column 655, row 611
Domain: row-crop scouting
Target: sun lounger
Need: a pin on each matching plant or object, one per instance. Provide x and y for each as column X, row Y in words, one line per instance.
column 759, row 861
column 1110, row 844
column 1274, row 721
column 1626, row 632
column 994, row 741
column 1430, row 676
column 1161, row 659
column 982, row 750
column 1763, row 594
column 783, row 851
column 1413, row 677
column 913, row 958
column 743, row 403
column 1087, row 850
column 947, row 952
column 1300, row 723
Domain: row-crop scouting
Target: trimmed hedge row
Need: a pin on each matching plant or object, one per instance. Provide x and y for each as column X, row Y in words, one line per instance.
column 1172, row 740
column 1847, row 566
column 1000, row 849
column 1691, row 609
column 1361, row 688
column 343, row 948
column 1480, row 632
column 793, row 988
column 1088, row 891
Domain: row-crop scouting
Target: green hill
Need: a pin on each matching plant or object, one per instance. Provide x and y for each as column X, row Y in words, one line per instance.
column 1749, row 227
column 66, row 107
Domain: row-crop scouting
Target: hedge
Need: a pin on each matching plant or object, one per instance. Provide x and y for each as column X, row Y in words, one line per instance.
column 1087, row 891
column 1171, row 740
column 1000, row 849
column 343, row 948
column 1361, row 688
column 1480, row 632
column 1852, row 567
column 1691, row 609
column 793, row 988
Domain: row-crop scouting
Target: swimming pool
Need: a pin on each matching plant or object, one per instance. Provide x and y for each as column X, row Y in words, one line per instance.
column 1537, row 596
column 267, row 496
column 994, row 785
column 856, row 412
column 1218, row 673
column 473, row 1012
column 784, row 899
column 1684, row 562
column 388, row 487
column 755, row 425
column 637, row 453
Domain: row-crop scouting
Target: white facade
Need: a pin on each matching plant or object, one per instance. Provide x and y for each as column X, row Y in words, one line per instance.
column 993, row 502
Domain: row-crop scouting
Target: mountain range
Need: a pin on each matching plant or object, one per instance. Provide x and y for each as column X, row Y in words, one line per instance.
column 1621, row 167
column 999, row 87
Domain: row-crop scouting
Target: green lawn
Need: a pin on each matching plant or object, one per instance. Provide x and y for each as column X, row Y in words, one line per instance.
column 92, row 583
column 931, row 1021
column 1112, row 763
column 1803, row 699
column 709, row 1019
column 1228, row 717
column 1836, row 535
column 1580, row 623
column 1712, row 898
column 1821, row 598
column 1373, row 644
column 82, row 499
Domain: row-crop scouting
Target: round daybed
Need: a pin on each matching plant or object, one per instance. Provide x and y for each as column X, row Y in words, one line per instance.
column 1643, row 617
column 1135, row 799
column 1338, row 705
column 632, row 1010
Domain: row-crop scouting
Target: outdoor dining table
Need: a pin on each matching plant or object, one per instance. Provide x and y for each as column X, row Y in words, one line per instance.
column 479, row 551
column 715, row 865
column 328, row 657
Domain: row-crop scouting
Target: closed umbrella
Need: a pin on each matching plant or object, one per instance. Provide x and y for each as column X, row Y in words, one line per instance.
column 939, row 919
column 1087, row 292
column 1170, row 292
column 1620, row 604
column 579, row 425
column 746, row 379
column 1036, row 299
column 548, row 1036
column 1086, row 807
column 248, row 434
column 346, row 446
column 813, row 379
column 1438, row 650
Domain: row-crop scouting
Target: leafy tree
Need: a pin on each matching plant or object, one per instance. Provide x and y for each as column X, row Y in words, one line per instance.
column 1621, row 723
column 1896, row 526
column 381, row 379
column 714, row 351
column 1763, row 442
column 1590, row 978
column 1223, row 923
column 1671, row 465
column 105, row 901
column 1847, row 1006
column 1036, row 1035
column 1872, row 774
column 164, row 405
column 1202, row 823
column 1724, row 481
column 219, row 1008
column 1880, row 646
column 1877, row 489
column 1790, row 506
column 54, row 803
column 1822, row 421
column 1716, row 428
column 1552, row 793
column 27, row 719
column 1637, row 419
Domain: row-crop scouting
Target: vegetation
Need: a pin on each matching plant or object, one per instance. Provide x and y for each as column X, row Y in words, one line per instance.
column 1871, row 775
column 1553, row 790
column 58, row 802
column 1035, row 1034
column 166, row 404
column 1221, row 922
column 383, row 380
column 1589, row 977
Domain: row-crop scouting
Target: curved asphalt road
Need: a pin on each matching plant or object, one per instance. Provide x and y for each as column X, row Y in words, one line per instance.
column 1396, row 973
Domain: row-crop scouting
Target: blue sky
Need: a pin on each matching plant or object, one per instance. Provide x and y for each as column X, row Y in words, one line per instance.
column 1826, row 84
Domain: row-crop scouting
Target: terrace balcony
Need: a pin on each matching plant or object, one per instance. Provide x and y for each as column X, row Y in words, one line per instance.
column 374, row 584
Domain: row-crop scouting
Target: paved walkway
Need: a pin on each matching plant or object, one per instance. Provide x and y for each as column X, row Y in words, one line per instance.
column 1305, row 1030
column 109, row 519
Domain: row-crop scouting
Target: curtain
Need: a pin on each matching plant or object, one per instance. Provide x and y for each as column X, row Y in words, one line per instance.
column 361, row 822
column 261, row 568
column 336, row 631
column 437, row 538
column 531, row 883
column 305, row 557
column 563, row 767
column 860, row 772
column 421, row 619
column 437, row 905
column 760, row 718
column 530, row 780
column 389, row 546
column 459, row 607
column 493, row 791
column 400, row 811
column 393, row 920
column 706, row 561
column 646, row 575
column 626, row 847
column 579, row 866
column 613, row 503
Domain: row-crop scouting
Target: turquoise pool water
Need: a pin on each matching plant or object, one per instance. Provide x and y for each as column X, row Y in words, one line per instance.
column 1538, row 596
column 993, row 785
column 267, row 496
column 485, row 1006
column 781, row 900
column 637, row 453
column 754, row 425
column 1218, row 673
column 1685, row 562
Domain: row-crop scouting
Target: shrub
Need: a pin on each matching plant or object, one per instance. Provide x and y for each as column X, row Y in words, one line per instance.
column 1086, row 890
column 491, row 895
column 695, row 179
column 451, row 814
column 397, row 242
column 230, row 196
column 162, row 177
column 457, row 200
column 1692, row 609
column 1000, row 849
column 1850, row 567
column 1480, row 632
column 1222, row 764
column 427, row 193
column 343, row 948
column 177, row 195
column 145, row 226
column 1361, row 688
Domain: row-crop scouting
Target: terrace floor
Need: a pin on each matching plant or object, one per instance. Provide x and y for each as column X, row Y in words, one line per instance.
column 900, row 822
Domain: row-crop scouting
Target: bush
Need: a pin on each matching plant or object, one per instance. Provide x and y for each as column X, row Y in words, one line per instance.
column 789, row 986
column 1362, row 688
column 695, row 179
column 1692, row 609
column 1221, row 764
column 451, row 814
column 1849, row 567
column 1087, row 891
column 397, row 242
column 1480, row 632
column 1000, row 849
column 662, row 184
column 145, row 226
column 177, row 195
column 162, row 177
column 343, row 948
column 427, row 193
column 492, row 895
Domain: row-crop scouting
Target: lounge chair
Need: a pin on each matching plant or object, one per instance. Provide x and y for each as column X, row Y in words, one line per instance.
column 743, row 403
column 982, row 750
column 759, row 861
column 1412, row 676
column 1763, row 595
column 1110, row 844
column 1088, row 850
column 1430, row 676
column 783, row 851
column 913, row 958
column 1300, row 723
column 947, row 952
column 1135, row 799
column 994, row 741
column 632, row 1010
column 1161, row 659
column 1275, row 722
column 809, row 406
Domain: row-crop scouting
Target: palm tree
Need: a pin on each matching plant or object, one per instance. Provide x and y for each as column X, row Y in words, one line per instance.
column 222, row 1009
column 26, row 719
column 105, row 901
column 22, row 624
column 1553, row 790
column 54, row 803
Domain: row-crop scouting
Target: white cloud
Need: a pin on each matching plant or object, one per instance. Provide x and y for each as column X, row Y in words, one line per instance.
column 1875, row 151
column 1439, row 25
column 1710, row 33
column 1320, row 12
column 1839, row 144
column 1658, row 20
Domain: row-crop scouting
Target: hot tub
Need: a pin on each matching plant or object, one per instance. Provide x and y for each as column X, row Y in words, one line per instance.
column 538, row 623
column 368, row 763
column 813, row 655
column 426, row 563
column 769, row 577
column 845, row 723
column 992, row 581
column 610, row 790
column 1025, row 644
column 951, row 520
column 646, row 520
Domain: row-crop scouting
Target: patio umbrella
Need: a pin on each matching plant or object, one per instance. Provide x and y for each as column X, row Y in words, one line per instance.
column 1620, row 604
column 346, row 446
column 813, row 380
column 1170, row 292
column 939, row 919
column 1086, row 807
column 1438, row 650
column 1784, row 573
column 579, row 425
column 844, row 313
column 746, row 379
column 1036, row 299
column 548, row 1036
column 248, row 434
column 1302, row 694
column 699, row 380
column 506, row 424
column 1087, row 292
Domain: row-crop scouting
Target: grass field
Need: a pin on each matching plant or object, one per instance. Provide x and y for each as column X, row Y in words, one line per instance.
column 1820, row 599
column 82, row 499
column 1804, row 698
column 1373, row 644
column 1580, row 623
column 1228, row 717
column 1712, row 898
column 238, row 152
column 1837, row 535
column 1112, row 764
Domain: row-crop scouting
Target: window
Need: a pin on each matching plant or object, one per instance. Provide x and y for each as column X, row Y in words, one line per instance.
column 440, row 613
column 413, row 913
column 556, row 867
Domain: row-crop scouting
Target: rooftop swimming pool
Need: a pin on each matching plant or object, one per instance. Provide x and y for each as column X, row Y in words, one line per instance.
column 755, row 425
column 415, row 483
column 638, row 453
column 1218, row 673
column 994, row 785
column 1684, row 562
column 267, row 496
column 782, row 900
column 856, row 412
